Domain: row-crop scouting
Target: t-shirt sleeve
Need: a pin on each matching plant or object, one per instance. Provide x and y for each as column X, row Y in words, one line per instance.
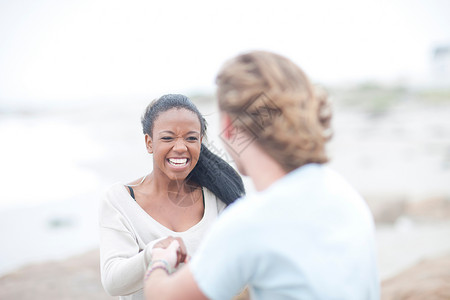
column 224, row 262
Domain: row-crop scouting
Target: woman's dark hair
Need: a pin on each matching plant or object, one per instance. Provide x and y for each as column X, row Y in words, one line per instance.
column 211, row 171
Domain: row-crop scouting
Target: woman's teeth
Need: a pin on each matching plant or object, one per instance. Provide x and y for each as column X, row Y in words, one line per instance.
column 178, row 161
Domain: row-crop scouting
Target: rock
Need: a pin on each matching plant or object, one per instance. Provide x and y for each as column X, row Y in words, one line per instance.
column 428, row 280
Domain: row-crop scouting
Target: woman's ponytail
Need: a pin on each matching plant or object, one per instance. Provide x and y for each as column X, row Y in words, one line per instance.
column 218, row 176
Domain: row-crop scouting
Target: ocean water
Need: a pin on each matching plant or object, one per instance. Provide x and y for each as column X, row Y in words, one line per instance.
column 41, row 158
column 47, row 206
column 55, row 166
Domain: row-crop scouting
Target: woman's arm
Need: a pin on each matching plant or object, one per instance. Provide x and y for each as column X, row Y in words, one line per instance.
column 122, row 259
column 122, row 265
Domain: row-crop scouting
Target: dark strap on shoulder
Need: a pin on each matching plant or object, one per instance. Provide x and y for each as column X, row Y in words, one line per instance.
column 131, row 192
column 203, row 198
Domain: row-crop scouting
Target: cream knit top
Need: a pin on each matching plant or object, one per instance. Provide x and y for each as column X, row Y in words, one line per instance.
column 128, row 233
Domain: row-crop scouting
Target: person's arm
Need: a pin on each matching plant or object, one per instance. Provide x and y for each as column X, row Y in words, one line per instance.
column 122, row 274
column 122, row 262
column 162, row 286
column 225, row 262
column 122, row 265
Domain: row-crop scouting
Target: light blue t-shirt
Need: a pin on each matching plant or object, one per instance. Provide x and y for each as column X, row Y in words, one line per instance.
column 308, row 236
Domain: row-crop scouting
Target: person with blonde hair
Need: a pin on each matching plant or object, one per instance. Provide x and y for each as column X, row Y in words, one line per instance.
column 305, row 233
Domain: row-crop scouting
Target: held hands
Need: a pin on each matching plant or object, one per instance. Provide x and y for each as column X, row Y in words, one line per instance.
column 172, row 250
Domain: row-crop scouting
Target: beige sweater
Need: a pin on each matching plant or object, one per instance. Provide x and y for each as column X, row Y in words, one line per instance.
column 128, row 233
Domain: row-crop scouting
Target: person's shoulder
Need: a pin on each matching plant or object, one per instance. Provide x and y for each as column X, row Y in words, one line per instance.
column 208, row 194
column 318, row 178
column 348, row 196
column 212, row 199
column 337, row 183
column 114, row 188
column 116, row 207
column 243, row 210
column 114, row 193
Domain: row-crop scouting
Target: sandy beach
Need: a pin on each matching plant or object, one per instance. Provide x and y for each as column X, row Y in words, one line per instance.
column 74, row 278
column 78, row 278
column 396, row 155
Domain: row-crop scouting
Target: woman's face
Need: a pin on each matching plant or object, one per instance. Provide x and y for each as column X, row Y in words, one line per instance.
column 176, row 143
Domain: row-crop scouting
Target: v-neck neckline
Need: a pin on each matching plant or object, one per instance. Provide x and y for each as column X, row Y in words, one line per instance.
column 152, row 220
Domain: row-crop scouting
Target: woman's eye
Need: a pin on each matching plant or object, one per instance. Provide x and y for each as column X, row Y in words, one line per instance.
column 166, row 138
column 192, row 138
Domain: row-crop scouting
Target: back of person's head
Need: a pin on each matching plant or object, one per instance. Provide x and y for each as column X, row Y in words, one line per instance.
column 273, row 98
column 211, row 171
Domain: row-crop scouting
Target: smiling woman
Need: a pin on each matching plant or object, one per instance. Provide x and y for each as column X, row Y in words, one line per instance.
column 182, row 196
column 175, row 141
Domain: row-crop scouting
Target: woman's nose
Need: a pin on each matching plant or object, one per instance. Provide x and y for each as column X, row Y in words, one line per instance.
column 179, row 146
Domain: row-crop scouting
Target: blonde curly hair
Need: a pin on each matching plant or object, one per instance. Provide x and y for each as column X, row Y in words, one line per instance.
column 274, row 100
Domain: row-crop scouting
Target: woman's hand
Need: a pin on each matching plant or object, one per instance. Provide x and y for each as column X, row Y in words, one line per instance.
column 171, row 249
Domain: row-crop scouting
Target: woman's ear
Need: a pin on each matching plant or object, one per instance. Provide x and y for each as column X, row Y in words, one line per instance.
column 149, row 143
column 227, row 126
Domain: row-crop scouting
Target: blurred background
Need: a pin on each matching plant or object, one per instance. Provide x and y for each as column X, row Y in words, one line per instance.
column 75, row 77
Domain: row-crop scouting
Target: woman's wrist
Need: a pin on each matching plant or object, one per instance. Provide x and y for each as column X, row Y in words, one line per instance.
column 158, row 264
column 148, row 251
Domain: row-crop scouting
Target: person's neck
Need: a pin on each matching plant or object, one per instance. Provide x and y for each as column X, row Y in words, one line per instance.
column 262, row 168
column 162, row 185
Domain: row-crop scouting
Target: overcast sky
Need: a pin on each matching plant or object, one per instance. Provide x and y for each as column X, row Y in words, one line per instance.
column 53, row 50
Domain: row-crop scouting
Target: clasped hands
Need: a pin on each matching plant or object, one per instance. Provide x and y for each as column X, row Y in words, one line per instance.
column 172, row 250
